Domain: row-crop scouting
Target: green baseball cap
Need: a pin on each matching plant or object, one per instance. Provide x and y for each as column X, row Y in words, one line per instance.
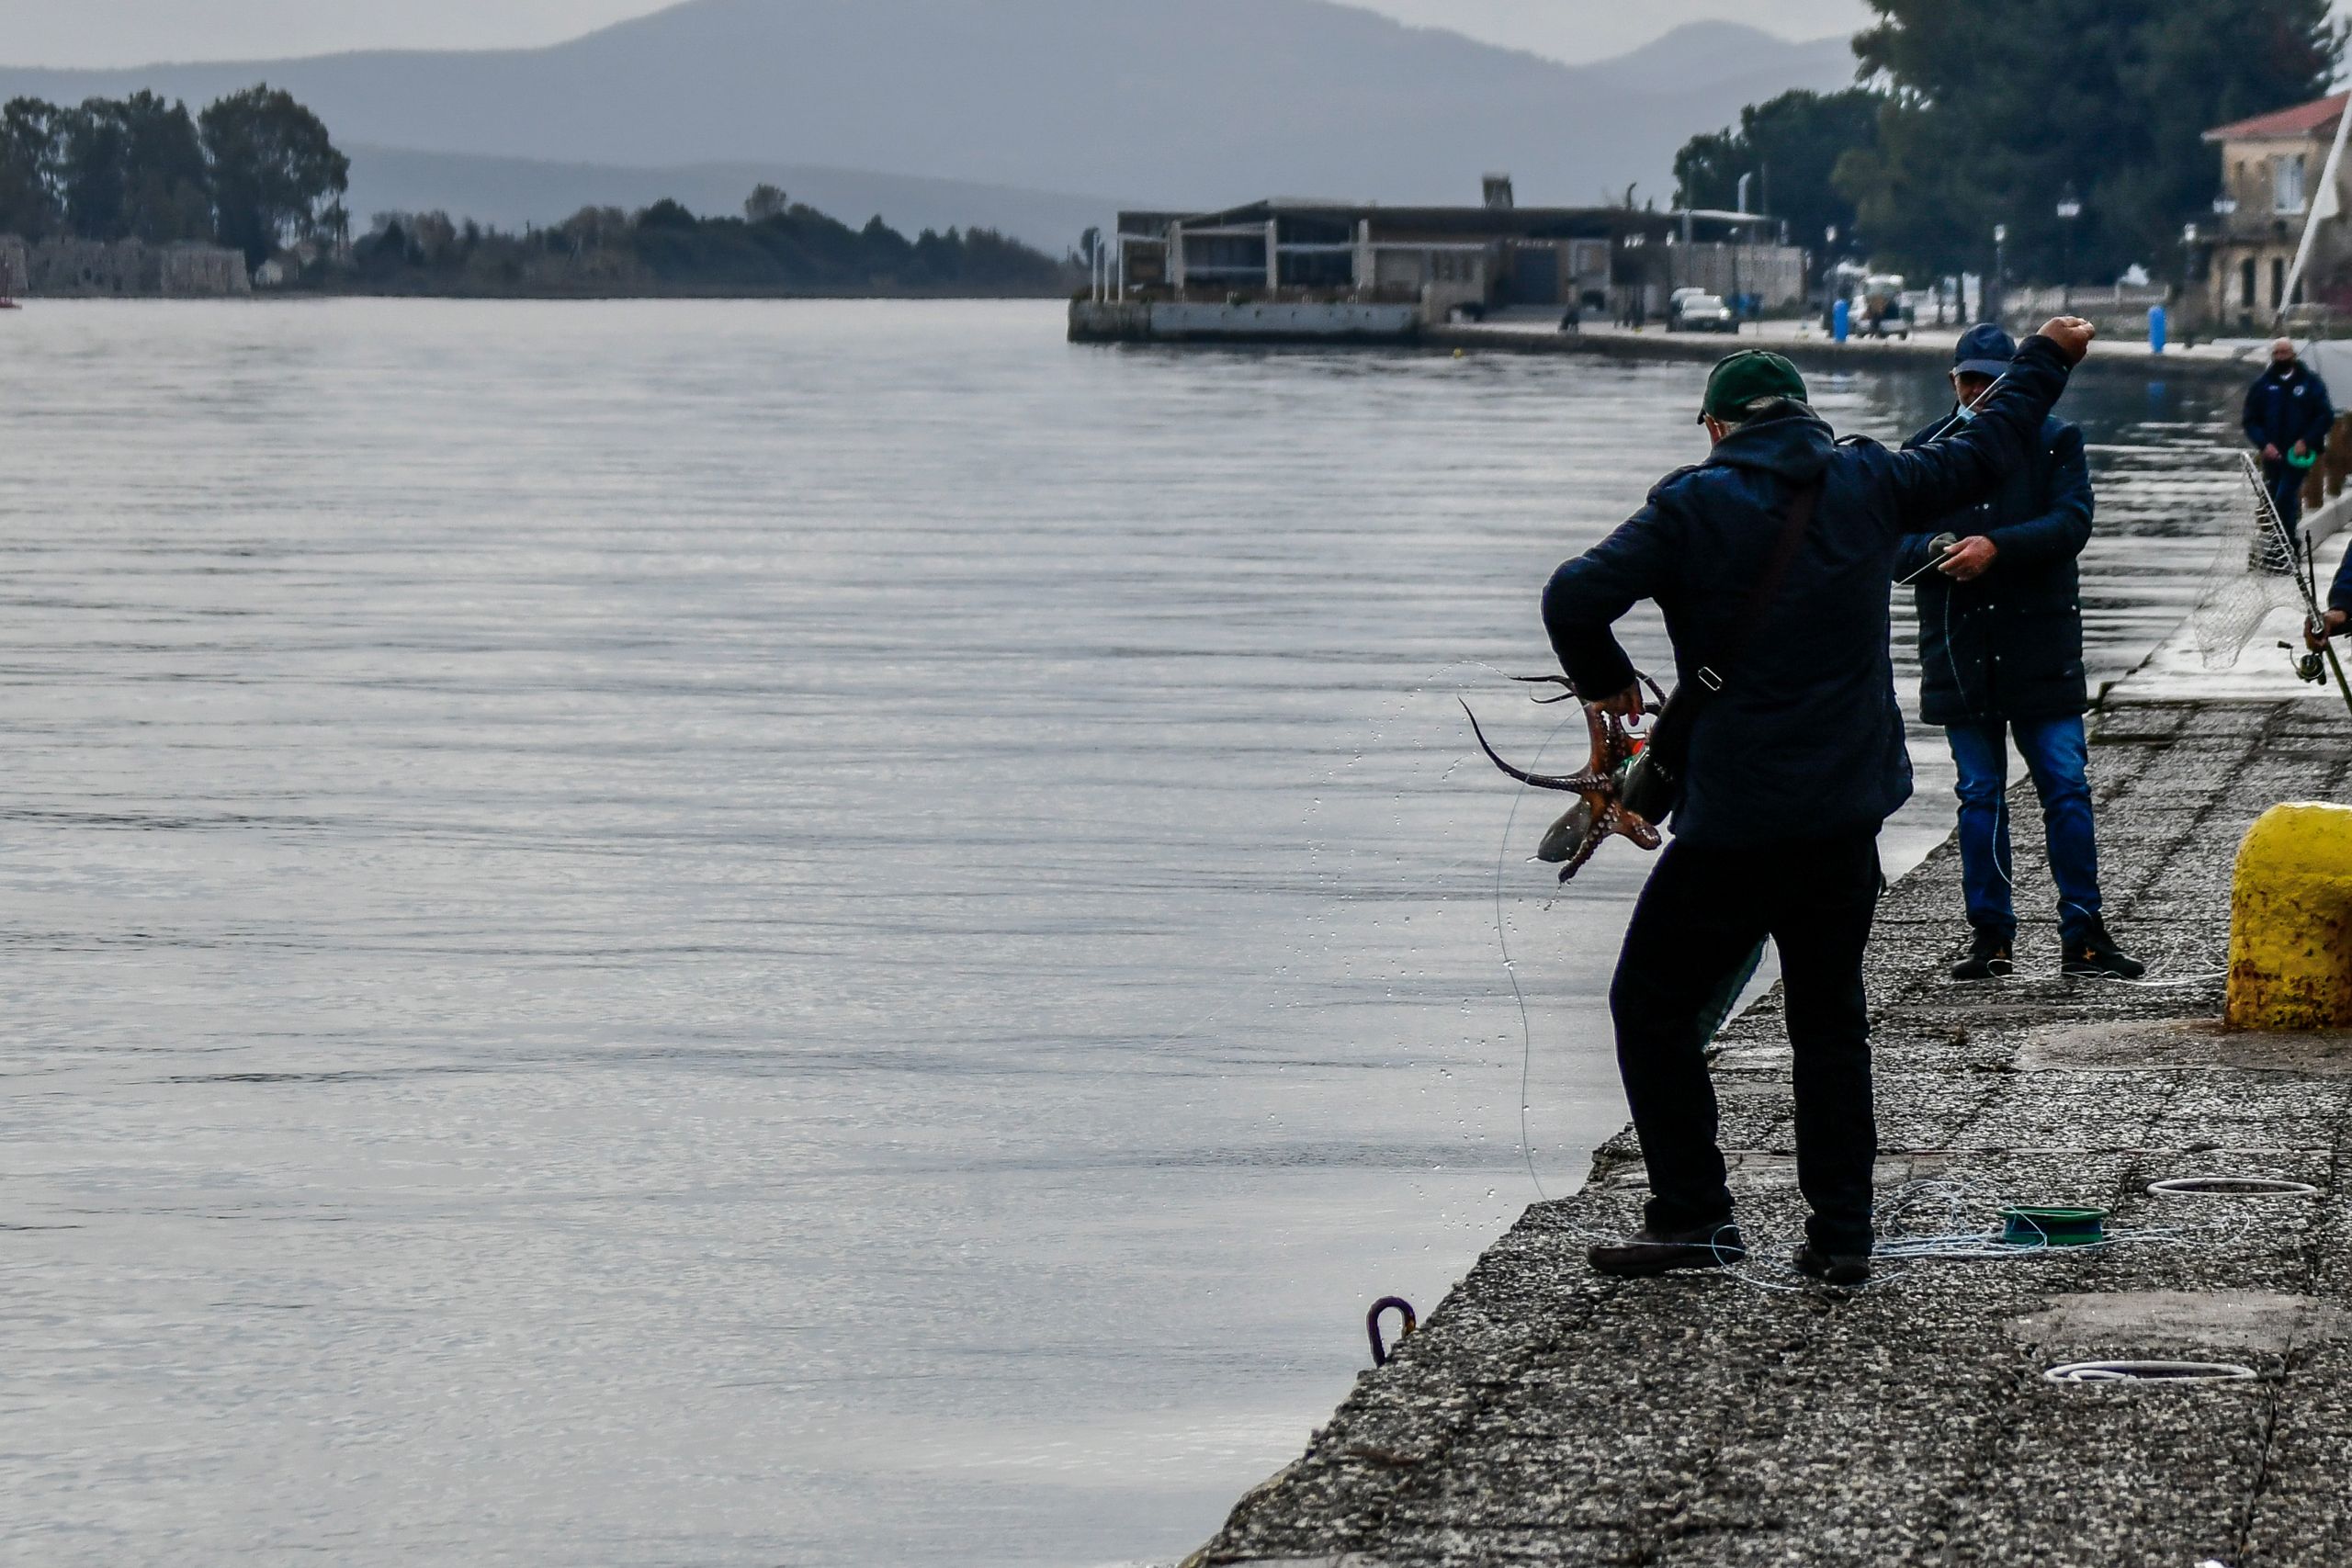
column 1745, row 378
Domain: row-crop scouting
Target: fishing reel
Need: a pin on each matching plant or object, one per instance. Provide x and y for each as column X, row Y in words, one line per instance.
column 2310, row 663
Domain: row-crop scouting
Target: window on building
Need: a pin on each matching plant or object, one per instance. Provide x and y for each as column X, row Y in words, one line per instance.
column 2278, row 282
column 2245, row 283
column 2287, row 184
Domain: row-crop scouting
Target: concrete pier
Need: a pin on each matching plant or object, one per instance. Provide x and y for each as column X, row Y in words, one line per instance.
column 1247, row 325
column 1546, row 1415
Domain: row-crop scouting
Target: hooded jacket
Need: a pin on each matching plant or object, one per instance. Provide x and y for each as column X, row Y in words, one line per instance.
column 2285, row 406
column 2008, row 645
column 1806, row 740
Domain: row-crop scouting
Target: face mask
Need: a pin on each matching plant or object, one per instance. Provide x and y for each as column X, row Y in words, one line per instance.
column 1964, row 413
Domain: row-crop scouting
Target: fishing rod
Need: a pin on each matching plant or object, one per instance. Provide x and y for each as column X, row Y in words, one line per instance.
column 1943, row 547
column 2298, row 559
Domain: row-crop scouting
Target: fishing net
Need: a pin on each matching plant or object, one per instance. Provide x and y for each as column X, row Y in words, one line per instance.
column 2257, row 569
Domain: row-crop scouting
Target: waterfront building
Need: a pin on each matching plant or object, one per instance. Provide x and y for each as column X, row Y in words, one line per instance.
column 1422, row 264
column 2271, row 168
column 65, row 267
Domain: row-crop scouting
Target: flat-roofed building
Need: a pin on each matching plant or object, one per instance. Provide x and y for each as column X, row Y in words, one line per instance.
column 1606, row 261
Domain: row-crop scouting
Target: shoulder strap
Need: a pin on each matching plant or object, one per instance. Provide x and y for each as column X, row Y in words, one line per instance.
column 1768, row 587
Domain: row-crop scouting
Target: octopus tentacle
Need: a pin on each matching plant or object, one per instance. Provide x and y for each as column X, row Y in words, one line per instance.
column 1599, row 784
column 1587, row 783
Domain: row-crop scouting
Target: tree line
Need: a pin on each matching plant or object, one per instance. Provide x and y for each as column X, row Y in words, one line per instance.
column 1975, row 113
column 778, row 247
column 255, row 171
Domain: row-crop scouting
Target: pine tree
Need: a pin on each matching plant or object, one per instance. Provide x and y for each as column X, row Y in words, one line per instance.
column 1994, row 107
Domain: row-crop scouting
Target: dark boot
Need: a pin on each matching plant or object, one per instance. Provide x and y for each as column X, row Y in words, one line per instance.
column 1648, row 1251
column 2095, row 954
column 1989, row 957
column 1844, row 1268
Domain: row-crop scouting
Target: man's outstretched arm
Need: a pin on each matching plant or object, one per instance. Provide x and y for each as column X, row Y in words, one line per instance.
column 1966, row 466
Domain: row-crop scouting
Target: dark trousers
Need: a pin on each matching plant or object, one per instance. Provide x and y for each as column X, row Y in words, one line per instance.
column 2286, row 482
column 1702, row 914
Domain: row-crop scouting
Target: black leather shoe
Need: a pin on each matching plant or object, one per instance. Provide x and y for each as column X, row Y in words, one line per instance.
column 1832, row 1267
column 2096, row 955
column 1988, row 958
column 1648, row 1251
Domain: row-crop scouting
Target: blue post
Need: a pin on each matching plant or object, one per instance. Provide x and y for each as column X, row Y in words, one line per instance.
column 2155, row 329
column 1841, row 320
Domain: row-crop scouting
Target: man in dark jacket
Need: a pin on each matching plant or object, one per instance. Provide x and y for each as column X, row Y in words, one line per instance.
column 2287, row 418
column 1790, row 770
column 2001, row 654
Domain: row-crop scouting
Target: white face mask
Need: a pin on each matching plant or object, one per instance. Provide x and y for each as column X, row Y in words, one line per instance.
column 1963, row 413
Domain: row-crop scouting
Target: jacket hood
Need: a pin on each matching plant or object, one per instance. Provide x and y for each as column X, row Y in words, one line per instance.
column 1795, row 447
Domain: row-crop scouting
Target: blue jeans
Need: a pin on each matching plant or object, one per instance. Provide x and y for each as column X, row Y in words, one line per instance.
column 2286, row 483
column 2056, row 753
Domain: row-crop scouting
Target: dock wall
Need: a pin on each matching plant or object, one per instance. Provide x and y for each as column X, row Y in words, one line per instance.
column 1185, row 322
column 1403, row 326
column 1546, row 1415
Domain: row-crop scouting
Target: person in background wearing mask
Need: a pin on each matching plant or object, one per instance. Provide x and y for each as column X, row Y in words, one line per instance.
column 2001, row 656
column 2287, row 417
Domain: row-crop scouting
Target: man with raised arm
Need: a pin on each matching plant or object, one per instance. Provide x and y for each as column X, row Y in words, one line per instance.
column 1781, row 543
column 2001, row 656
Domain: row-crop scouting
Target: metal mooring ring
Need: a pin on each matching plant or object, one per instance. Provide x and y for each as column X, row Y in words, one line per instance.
column 1380, row 1351
column 2150, row 1371
column 2231, row 1186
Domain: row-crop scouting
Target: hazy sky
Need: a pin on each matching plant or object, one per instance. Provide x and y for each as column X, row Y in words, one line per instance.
column 140, row 32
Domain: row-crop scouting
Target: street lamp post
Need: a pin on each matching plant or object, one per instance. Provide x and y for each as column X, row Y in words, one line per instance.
column 2070, row 207
column 2190, row 311
column 2224, row 206
column 2000, row 271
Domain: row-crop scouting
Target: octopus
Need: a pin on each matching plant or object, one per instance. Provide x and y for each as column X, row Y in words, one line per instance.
column 1600, row 812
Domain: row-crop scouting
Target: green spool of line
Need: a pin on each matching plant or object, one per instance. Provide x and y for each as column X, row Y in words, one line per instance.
column 2305, row 461
column 2031, row 1225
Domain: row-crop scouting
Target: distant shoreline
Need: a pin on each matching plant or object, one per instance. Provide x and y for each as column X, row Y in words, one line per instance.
column 318, row 296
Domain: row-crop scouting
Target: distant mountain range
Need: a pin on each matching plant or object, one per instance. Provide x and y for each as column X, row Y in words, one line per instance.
column 1195, row 105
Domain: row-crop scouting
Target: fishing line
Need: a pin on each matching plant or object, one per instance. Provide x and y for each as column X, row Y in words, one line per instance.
column 1502, row 940
column 1422, row 687
column 2181, row 980
column 1957, row 1240
column 1448, row 875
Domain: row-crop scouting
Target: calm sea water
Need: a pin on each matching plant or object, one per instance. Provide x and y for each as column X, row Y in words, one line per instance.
column 754, row 933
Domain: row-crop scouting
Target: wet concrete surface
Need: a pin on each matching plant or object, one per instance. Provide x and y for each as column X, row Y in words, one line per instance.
column 1546, row 1415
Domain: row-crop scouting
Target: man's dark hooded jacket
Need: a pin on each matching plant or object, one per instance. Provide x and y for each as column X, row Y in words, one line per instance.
column 2009, row 644
column 2287, row 405
column 1806, row 739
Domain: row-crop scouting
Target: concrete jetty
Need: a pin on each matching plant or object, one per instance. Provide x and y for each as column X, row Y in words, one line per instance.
column 1260, row 326
column 1543, row 1414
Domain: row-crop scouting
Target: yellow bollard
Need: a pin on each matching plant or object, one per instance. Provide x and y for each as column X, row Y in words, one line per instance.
column 2290, row 922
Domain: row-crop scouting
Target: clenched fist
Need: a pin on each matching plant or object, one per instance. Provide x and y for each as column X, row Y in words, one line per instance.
column 2072, row 334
